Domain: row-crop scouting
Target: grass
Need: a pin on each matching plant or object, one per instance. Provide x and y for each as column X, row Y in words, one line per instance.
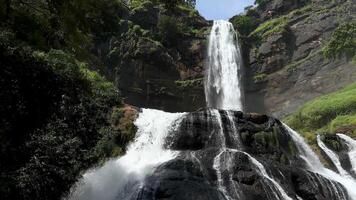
column 190, row 83
column 342, row 123
column 270, row 27
column 329, row 113
column 259, row 77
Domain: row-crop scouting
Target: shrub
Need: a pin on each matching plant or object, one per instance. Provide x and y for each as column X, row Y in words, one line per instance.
column 342, row 42
column 170, row 30
column 270, row 27
column 244, row 24
column 54, row 122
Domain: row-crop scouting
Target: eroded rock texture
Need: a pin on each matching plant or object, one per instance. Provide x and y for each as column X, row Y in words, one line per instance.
column 232, row 155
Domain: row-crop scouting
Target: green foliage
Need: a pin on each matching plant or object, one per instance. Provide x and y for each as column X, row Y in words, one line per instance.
column 342, row 123
column 62, row 24
column 259, row 77
column 244, row 24
column 262, row 2
column 326, row 113
column 53, row 122
column 342, row 42
column 270, row 27
column 190, row 83
column 170, row 30
column 171, row 4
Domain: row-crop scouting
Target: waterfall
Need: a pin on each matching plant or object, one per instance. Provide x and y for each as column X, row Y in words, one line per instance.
column 352, row 150
column 314, row 164
column 276, row 187
column 222, row 77
column 333, row 157
column 212, row 142
column 117, row 178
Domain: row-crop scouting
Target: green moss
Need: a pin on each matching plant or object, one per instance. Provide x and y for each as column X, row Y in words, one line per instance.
column 270, row 27
column 190, row 83
column 292, row 66
column 267, row 139
column 342, row 42
column 259, row 77
column 140, row 4
column 326, row 113
column 188, row 9
column 302, row 10
column 342, row 123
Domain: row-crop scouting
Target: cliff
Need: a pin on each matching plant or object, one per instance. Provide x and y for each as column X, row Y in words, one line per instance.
column 158, row 62
column 295, row 51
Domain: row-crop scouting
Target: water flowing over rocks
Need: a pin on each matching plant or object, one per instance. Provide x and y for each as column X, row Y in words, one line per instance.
column 232, row 155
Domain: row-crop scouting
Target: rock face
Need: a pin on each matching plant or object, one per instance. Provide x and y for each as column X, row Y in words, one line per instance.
column 227, row 154
column 283, row 69
column 159, row 62
column 286, row 67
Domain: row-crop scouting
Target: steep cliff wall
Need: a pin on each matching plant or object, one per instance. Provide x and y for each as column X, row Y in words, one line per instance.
column 158, row 61
column 285, row 49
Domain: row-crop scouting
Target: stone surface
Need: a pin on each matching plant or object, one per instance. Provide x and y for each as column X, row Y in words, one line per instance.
column 292, row 62
column 193, row 174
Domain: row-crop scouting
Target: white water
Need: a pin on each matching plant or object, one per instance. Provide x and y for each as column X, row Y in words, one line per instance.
column 352, row 150
column 222, row 77
column 114, row 179
column 217, row 160
column 315, row 165
column 333, row 157
column 282, row 194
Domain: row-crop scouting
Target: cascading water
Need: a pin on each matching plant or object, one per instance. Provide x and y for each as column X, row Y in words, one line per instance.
column 223, row 91
column 352, row 150
column 207, row 150
column 117, row 178
column 333, row 157
column 315, row 165
column 222, row 78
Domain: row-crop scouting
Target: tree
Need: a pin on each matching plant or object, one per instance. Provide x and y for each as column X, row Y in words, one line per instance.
column 191, row 3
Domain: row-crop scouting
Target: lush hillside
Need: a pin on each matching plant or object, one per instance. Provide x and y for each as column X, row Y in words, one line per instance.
column 331, row 113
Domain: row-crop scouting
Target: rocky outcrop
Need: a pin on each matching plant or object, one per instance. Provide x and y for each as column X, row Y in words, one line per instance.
column 221, row 159
column 158, row 62
column 285, row 66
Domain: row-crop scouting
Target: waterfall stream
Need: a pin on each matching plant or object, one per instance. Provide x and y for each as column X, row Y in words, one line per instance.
column 216, row 158
column 118, row 177
column 352, row 150
column 316, row 166
column 222, row 78
column 333, row 157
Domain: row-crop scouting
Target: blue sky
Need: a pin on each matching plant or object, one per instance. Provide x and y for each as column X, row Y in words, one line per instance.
column 221, row 9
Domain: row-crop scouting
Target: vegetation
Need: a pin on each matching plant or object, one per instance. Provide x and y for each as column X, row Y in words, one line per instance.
column 53, row 122
column 270, row 27
column 170, row 30
column 190, row 83
column 244, row 24
column 342, row 42
column 262, row 2
column 59, row 114
column 259, row 77
column 329, row 113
